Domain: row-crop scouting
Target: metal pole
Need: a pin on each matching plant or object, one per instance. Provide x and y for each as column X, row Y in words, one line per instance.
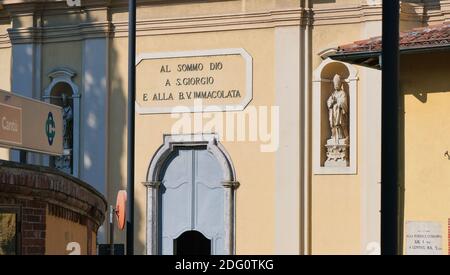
column 389, row 139
column 111, row 229
column 131, row 123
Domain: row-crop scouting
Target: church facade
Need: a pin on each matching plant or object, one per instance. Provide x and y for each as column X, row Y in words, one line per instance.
column 258, row 126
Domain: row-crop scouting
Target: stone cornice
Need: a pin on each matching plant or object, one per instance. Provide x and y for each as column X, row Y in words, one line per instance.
column 241, row 21
column 349, row 14
column 321, row 15
column 5, row 22
column 19, row 6
column 197, row 24
column 270, row 19
column 441, row 12
column 5, row 41
column 60, row 33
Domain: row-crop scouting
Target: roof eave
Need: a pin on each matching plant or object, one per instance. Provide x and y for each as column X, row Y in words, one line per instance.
column 372, row 59
column 369, row 59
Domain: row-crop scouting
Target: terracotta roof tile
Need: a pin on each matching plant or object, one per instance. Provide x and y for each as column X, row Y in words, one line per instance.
column 432, row 36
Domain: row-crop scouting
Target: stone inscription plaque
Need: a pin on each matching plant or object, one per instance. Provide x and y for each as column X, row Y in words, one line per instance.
column 219, row 80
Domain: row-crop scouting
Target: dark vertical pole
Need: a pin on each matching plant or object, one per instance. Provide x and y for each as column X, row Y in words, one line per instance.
column 131, row 122
column 389, row 135
column 111, row 229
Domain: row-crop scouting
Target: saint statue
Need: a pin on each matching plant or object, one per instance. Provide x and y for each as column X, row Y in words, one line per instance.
column 67, row 119
column 338, row 112
column 338, row 117
column 64, row 162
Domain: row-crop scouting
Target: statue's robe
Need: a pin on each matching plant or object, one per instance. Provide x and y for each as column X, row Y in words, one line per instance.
column 338, row 106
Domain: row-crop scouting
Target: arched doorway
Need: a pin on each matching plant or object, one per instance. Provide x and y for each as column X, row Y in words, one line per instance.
column 191, row 198
column 192, row 243
column 191, row 187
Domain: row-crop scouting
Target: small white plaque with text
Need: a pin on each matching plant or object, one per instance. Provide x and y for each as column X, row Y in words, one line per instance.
column 423, row 238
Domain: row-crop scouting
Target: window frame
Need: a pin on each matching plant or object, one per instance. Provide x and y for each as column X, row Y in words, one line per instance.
column 12, row 209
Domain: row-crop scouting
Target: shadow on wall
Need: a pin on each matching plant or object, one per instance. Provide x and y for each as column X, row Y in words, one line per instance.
column 410, row 17
column 117, row 147
column 21, row 68
column 323, row 1
column 117, row 88
column 421, row 75
column 114, row 121
column 417, row 12
column 432, row 4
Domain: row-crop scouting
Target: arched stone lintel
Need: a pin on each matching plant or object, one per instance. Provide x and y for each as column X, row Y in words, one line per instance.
column 171, row 142
column 61, row 75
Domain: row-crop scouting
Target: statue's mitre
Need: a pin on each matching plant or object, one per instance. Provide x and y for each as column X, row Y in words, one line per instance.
column 337, row 81
column 337, row 78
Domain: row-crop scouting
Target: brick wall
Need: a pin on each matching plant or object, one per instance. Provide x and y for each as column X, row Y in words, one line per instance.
column 37, row 191
column 33, row 228
column 31, row 224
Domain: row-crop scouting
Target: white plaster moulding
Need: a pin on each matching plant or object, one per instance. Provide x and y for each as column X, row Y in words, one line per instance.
column 352, row 81
column 66, row 75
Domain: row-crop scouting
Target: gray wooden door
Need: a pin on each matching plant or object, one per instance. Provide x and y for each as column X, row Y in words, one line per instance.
column 192, row 198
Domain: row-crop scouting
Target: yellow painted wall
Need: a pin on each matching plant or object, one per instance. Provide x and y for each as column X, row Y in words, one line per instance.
column 61, row 232
column 335, row 199
column 5, row 69
column 426, row 86
column 5, row 77
column 255, row 221
column 173, row 10
column 57, row 55
column 255, row 197
column 5, row 83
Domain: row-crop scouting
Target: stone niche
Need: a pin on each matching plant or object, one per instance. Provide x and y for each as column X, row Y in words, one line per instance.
column 334, row 118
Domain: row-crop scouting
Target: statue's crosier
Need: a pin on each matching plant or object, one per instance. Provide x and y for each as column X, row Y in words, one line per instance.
column 338, row 116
